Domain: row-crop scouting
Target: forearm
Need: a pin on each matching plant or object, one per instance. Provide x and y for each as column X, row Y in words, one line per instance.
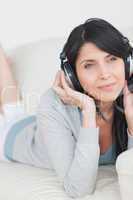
column 81, row 177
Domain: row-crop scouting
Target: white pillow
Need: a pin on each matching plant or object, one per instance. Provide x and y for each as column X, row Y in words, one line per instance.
column 35, row 66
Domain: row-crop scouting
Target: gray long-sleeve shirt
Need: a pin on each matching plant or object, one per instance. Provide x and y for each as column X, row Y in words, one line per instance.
column 61, row 143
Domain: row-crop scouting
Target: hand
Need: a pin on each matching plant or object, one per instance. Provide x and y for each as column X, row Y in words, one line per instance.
column 71, row 96
column 128, row 107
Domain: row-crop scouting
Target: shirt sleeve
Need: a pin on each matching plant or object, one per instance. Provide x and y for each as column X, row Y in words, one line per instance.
column 75, row 163
column 130, row 140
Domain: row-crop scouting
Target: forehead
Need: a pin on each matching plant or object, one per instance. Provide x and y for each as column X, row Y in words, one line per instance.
column 90, row 51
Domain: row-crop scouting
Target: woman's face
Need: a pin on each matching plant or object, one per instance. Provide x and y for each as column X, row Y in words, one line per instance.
column 97, row 69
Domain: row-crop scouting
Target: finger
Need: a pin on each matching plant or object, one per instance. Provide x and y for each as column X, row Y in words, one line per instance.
column 125, row 93
column 127, row 96
column 65, row 84
column 78, row 96
column 71, row 92
column 57, row 79
column 126, row 90
column 59, row 91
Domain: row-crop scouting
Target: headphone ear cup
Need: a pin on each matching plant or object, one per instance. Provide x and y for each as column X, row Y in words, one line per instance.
column 71, row 77
column 131, row 64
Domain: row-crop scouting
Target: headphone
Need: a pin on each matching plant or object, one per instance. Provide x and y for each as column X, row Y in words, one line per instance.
column 70, row 75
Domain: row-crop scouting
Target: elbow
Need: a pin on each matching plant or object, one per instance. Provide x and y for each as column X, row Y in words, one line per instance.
column 75, row 191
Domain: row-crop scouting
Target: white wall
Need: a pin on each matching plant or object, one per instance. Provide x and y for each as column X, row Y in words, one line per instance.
column 24, row 21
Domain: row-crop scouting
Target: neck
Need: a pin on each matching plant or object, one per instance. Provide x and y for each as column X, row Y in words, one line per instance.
column 107, row 109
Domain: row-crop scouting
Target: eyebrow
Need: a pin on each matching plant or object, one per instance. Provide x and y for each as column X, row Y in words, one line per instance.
column 91, row 60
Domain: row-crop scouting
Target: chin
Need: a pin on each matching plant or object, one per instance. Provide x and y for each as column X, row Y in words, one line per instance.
column 109, row 97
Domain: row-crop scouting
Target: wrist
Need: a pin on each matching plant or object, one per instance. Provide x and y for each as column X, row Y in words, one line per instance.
column 89, row 119
column 88, row 113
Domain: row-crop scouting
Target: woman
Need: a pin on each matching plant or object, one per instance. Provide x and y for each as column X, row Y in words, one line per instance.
column 79, row 130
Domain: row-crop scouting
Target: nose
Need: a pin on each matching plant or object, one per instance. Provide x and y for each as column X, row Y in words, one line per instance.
column 104, row 71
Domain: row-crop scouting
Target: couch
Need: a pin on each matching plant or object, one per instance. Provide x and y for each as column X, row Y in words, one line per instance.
column 34, row 66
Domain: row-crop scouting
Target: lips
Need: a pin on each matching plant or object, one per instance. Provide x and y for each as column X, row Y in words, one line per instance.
column 110, row 84
column 107, row 87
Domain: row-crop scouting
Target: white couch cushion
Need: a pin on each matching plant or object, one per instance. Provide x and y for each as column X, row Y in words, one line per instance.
column 21, row 182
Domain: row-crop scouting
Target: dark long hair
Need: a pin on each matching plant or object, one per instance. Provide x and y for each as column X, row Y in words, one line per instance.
column 107, row 38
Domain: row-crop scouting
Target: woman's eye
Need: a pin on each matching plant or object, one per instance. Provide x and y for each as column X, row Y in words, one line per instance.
column 88, row 66
column 113, row 58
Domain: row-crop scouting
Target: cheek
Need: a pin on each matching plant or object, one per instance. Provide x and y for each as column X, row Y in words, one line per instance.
column 120, row 75
column 86, row 81
column 89, row 85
